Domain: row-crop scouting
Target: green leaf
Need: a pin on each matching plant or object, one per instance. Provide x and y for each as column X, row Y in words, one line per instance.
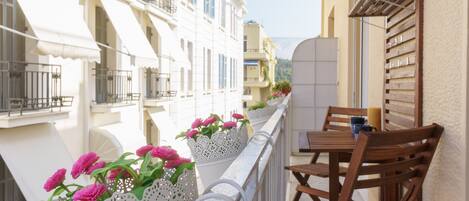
column 181, row 135
column 58, row 191
column 180, row 170
column 138, row 191
column 124, row 155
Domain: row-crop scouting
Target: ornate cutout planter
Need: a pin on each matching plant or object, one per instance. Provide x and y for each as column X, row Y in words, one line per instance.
column 259, row 117
column 214, row 155
column 162, row 189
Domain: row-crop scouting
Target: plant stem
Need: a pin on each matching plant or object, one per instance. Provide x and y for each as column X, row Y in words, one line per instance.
column 65, row 187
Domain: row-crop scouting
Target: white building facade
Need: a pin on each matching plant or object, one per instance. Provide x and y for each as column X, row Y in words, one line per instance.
column 162, row 64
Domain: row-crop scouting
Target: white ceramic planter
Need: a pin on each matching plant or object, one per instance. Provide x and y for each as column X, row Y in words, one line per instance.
column 259, row 117
column 163, row 190
column 276, row 101
column 213, row 156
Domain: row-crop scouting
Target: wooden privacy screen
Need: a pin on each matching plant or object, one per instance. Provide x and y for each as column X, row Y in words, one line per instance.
column 403, row 68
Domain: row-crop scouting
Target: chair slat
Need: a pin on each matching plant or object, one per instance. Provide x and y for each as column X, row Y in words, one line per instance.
column 395, row 179
column 388, row 167
column 402, row 136
column 347, row 111
column 330, row 127
column 395, row 152
column 338, row 119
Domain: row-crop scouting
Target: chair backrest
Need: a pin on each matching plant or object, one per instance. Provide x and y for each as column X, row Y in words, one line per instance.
column 338, row 118
column 405, row 156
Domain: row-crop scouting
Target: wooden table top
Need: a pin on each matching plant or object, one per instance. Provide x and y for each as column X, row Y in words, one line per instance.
column 326, row 141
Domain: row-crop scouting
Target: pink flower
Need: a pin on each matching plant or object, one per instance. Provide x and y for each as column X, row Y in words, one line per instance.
column 83, row 164
column 176, row 163
column 96, row 166
column 229, row 124
column 55, row 180
column 197, row 123
column 237, row 116
column 209, row 121
column 165, row 153
column 115, row 172
column 192, row 133
column 142, row 151
column 90, row 193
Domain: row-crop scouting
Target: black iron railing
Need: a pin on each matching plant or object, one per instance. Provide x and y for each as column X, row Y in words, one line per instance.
column 168, row 6
column 158, row 85
column 114, row 86
column 26, row 86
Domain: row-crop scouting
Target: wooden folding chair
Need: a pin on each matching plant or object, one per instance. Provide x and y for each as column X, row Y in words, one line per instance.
column 337, row 119
column 406, row 156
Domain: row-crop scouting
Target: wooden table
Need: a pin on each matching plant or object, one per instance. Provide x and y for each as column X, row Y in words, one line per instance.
column 334, row 143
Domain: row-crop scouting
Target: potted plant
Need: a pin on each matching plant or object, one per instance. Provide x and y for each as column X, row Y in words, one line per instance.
column 215, row 144
column 154, row 173
column 280, row 90
column 259, row 114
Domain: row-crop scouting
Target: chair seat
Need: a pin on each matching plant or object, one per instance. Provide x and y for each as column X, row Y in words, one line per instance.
column 316, row 169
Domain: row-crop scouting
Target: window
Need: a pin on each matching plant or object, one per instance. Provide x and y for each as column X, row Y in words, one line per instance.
column 12, row 45
column 234, row 22
column 223, row 13
column 222, row 64
column 190, row 54
column 182, row 79
column 204, row 69
column 101, row 82
column 231, row 73
column 182, row 44
column 245, row 43
column 209, row 69
column 209, row 8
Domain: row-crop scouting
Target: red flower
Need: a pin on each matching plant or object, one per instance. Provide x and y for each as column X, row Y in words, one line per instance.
column 197, row 123
column 209, row 121
column 176, row 163
column 90, row 193
column 55, row 180
column 142, row 151
column 115, row 172
column 165, row 153
column 237, row 116
column 83, row 164
column 192, row 133
column 229, row 124
column 96, row 166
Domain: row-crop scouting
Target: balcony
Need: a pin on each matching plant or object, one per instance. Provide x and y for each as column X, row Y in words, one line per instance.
column 158, row 87
column 113, row 89
column 255, row 76
column 256, row 54
column 31, row 93
column 168, row 6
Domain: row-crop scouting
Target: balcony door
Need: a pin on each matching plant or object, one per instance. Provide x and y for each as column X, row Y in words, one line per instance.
column 101, row 68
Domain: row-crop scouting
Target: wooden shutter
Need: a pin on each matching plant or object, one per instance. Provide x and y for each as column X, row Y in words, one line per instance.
column 403, row 67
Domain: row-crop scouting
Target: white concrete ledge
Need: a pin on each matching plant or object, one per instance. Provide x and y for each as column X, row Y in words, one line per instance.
column 31, row 118
column 109, row 108
column 157, row 102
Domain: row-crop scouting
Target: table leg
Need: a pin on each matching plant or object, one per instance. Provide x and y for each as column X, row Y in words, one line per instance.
column 334, row 184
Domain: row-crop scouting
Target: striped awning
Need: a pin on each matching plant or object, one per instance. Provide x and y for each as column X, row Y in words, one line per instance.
column 370, row 8
column 251, row 62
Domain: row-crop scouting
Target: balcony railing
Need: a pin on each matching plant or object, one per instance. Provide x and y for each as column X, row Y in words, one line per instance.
column 168, row 6
column 158, row 85
column 31, row 87
column 258, row 172
column 114, row 86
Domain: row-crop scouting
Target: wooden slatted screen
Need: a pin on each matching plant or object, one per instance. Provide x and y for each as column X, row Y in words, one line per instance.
column 403, row 68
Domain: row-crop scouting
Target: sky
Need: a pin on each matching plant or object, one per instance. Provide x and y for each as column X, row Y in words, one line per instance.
column 287, row 18
column 288, row 22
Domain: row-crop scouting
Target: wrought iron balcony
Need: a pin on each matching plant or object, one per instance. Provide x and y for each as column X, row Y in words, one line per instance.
column 114, row 86
column 169, row 6
column 31, row 87
column 158, row 85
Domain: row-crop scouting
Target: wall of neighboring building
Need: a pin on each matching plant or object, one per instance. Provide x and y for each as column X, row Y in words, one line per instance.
column 342, row 28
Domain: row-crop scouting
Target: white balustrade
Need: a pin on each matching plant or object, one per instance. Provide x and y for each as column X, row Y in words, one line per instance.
column 258, row 173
